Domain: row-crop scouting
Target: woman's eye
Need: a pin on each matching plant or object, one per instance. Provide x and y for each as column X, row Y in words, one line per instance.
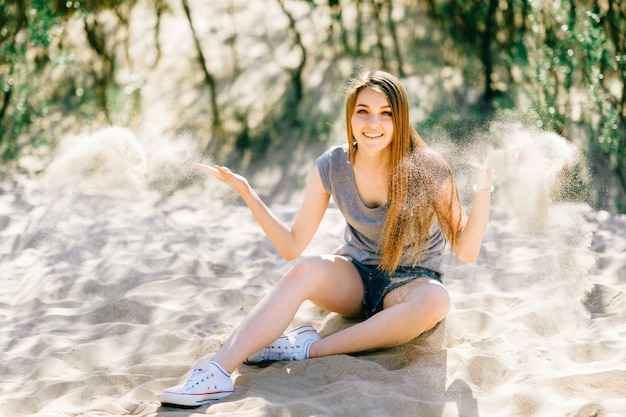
column 361, row 111
column 387, row 113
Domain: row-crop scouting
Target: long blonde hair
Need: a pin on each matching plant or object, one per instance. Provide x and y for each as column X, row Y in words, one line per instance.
column 416, row 175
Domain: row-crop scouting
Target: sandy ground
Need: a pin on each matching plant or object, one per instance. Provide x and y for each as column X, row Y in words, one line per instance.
column 111, row 288
column 111, row 291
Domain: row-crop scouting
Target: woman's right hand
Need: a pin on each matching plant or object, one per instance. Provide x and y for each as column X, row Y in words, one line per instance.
column 235, row 181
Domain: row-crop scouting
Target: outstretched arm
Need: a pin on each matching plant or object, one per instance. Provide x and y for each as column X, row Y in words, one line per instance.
column 470, row 229
column 290, row 241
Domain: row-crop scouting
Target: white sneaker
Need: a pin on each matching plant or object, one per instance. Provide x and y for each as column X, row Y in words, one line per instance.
column 208, row 382
column 290, row 346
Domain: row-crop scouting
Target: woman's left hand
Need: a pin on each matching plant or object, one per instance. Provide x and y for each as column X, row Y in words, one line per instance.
column 485, row 183
column 225, row 175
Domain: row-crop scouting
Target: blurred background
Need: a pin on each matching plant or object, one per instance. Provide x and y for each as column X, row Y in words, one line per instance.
column 259, row 85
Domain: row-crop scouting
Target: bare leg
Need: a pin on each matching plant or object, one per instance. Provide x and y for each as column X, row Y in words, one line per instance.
column 332, row 282
column 408, row 312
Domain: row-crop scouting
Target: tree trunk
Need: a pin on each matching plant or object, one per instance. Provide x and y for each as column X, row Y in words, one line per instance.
column 394, row 37
column 209, row 79
column 486, row 56
column 379, row 35
column 102, row 76
column 297, row 72
column 159, row 7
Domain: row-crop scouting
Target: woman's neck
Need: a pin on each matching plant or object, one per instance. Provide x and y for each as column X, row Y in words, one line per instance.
column 375, row 162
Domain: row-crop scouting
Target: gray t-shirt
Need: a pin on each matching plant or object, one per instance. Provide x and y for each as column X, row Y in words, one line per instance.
column 364, row 224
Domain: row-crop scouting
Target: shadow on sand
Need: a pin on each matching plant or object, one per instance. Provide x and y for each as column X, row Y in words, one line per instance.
column 408, row 380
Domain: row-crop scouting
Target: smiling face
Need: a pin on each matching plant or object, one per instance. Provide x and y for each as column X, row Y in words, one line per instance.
column 372, row 121
column 377, row 90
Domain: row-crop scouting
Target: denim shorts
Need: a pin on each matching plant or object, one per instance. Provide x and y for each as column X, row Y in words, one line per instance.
column 377, row 284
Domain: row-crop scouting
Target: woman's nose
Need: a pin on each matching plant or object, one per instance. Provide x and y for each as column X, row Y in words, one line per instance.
column 373, row 119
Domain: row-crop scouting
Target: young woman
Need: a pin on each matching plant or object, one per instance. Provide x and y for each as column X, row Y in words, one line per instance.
column 401, row 206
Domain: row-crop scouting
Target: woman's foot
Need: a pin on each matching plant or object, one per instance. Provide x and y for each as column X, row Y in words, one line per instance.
column 290, row 346
column 208, row 383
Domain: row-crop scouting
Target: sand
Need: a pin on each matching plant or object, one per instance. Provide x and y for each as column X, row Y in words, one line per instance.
column 114, row 283
column 120, row 268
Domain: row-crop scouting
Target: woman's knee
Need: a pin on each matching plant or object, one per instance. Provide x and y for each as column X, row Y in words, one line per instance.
column 441, row 302
column 330, row 282
column 304, row 274
column 430, row 303
column 301, row 269
column 436, row 305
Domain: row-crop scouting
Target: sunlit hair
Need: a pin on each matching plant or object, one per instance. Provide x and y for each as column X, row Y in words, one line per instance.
column 417, row 174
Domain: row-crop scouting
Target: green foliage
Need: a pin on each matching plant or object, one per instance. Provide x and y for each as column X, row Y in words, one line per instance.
column 31, row 48
column 28, row 28
column 567, row 58
column 575, row 63
column 562, row 63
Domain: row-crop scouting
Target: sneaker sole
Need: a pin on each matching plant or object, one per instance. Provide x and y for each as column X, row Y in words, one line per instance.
column 188, row 401
column 186, row 407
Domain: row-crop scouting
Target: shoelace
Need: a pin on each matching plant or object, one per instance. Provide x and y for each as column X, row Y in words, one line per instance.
column 197, row 376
